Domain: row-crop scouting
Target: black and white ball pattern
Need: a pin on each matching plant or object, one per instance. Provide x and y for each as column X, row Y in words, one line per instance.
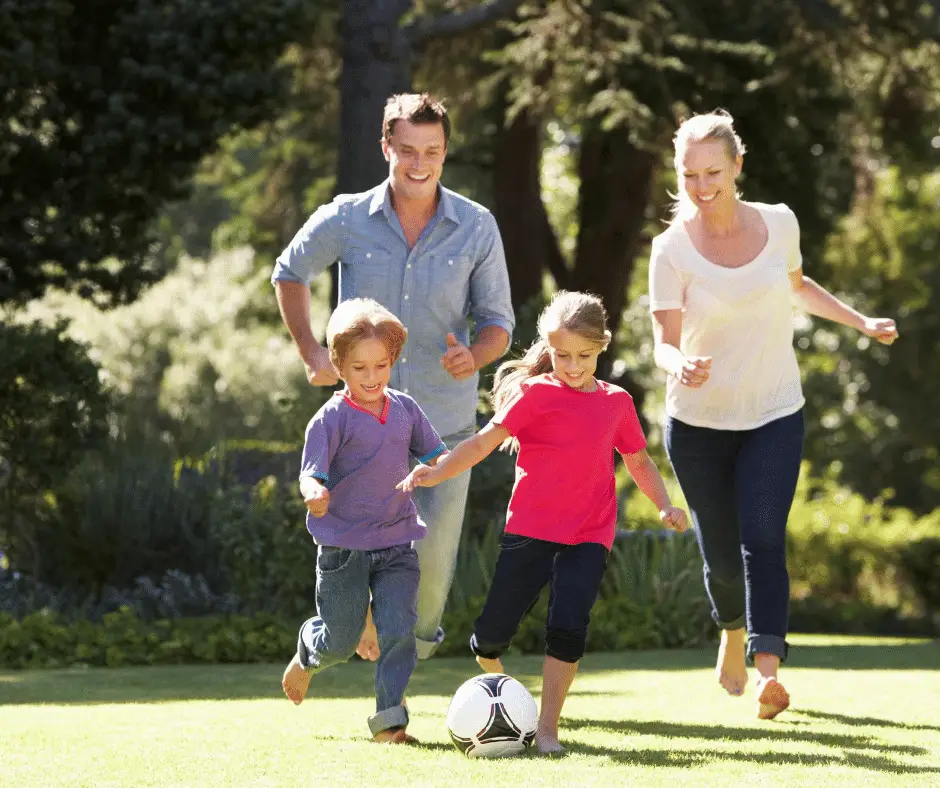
column 491, row 716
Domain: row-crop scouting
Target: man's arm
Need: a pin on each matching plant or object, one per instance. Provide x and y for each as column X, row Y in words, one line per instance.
column 293, row 299
column 490, row 300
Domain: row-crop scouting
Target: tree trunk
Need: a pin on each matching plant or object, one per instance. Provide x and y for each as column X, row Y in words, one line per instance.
column 528, row 237
column 615, row 190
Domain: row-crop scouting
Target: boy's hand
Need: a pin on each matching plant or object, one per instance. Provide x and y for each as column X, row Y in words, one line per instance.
column 318, row 501
column 675, row 518
column 421, row 476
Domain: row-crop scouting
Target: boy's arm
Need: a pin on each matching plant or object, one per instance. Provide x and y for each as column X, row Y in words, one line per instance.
column 465, row 455
column 316, row 496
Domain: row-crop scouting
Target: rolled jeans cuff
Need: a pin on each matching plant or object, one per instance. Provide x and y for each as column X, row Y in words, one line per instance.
column 395, row 717
column 767, row 644
column 739, row 623
column 426, row 648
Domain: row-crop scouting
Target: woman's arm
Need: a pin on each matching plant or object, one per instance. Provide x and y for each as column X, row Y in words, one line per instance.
column 667, row 329
column 465, row 455
column 816, row 300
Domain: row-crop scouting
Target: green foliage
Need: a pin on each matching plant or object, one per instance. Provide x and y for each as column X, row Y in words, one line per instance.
column 44, row 640
column 108, row 111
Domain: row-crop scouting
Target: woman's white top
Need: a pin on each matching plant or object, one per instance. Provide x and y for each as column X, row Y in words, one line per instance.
column 741, row 317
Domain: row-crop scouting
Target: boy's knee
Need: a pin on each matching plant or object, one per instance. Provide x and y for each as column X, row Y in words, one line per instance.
column 565, row 645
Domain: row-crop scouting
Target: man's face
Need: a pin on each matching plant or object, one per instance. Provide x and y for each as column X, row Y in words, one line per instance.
column 415, row 155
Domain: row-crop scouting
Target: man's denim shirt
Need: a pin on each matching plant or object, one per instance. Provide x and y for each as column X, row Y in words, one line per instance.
column 455, row 274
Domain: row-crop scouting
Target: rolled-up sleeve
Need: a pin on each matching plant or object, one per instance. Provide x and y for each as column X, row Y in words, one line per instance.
column 490, row 300
column 665, row 284
column 315, row 247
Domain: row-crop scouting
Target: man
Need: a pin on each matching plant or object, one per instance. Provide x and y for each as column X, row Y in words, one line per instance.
column 436, row 260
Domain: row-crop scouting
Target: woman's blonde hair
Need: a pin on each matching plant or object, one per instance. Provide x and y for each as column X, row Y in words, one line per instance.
column 362, row 318
column 580, row 313
column 717, row 126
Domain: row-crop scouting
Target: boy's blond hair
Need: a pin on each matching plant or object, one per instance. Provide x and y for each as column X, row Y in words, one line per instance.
column 363, row 318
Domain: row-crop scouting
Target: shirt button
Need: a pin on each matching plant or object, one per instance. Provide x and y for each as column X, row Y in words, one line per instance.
column 405, row 391
column 450, row 262
column 406, row 296
column 408, row 265
column 404, row 361
column 368, row 254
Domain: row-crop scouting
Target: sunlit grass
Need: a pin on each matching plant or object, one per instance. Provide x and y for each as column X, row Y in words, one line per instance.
column 866, row 713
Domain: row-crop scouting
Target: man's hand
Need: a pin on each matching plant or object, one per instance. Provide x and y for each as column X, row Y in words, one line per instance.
column 318, row 501
column 458, row 360
column 320, row 370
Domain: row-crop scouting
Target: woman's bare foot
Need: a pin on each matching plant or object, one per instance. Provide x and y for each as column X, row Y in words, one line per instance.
column 296, row 680
column 394, row 736
column 368, row 647
column 546, row 742
column 772, row 698
column 731, row 669
column 490, row 665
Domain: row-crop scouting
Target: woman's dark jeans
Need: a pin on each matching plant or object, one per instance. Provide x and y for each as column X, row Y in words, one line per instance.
column 739, row 485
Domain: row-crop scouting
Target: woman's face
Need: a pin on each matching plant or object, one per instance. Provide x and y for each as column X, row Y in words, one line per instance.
column 707, row 174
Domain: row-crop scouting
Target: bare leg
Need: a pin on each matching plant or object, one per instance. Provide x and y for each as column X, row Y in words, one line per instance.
column 490, row 665
column 731, row 669
column 296, row 680
column 772, row 697
column 368, row 647
column 556, row 681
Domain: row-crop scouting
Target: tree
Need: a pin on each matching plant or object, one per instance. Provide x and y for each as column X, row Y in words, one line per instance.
column 108, row 109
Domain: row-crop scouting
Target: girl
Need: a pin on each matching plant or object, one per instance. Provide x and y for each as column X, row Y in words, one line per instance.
column 357, row 447
column 563, row 510
column 721, row 282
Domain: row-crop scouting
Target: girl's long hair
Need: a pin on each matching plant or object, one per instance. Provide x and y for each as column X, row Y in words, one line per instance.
column 580, row 313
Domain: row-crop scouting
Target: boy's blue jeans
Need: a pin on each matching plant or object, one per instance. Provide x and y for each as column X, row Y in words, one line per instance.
column 344, row 579
column 739, row 485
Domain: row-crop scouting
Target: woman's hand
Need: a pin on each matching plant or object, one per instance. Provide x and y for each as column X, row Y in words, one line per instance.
column 883, row 329
column 675, row 518
column 695, row 371
column 421, row 476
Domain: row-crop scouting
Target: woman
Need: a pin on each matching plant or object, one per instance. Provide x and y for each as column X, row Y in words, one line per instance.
column 723, row 278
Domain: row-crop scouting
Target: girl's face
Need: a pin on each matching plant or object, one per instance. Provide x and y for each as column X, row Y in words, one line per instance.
column 366, row 371
column 707, row 174
column 574, row 358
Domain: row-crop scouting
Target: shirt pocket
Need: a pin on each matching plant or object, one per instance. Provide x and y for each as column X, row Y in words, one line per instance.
column 448, row 294
column 367, row 272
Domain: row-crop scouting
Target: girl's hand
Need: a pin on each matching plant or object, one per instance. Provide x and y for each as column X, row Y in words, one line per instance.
column 695, row 371
column 318, row 502
column 421, row 476
column 881, row 328
column 675, row 518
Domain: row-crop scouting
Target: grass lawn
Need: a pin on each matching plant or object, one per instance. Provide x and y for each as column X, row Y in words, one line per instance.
column 866, row 712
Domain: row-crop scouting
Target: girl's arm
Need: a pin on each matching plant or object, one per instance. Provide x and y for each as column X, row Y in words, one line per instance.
column 647, row 478
column 816, row 300
column 465, row 455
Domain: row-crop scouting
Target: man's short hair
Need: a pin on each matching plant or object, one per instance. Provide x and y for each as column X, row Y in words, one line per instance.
column 417, row 108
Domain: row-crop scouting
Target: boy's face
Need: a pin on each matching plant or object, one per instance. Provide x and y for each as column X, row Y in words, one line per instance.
column 366, row 371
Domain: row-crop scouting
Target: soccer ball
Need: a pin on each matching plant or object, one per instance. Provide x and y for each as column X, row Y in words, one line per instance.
column 491, row 716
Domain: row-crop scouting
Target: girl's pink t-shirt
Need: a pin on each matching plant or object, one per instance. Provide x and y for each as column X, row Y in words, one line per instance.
column 564, row 488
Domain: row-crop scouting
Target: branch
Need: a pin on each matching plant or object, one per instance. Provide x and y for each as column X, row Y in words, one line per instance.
column 457, row 23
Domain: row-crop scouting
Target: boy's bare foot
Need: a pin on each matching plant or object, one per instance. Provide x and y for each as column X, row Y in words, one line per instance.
column 490, row 665
column 731, row 669
column 296, row 680
column 368, row 647
column 772, row 698
column 547, row 743
column 394, row 736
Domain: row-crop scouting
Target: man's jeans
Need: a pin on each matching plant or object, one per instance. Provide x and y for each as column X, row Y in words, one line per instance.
column 739, row 485
column 344, row 579
column 442, row 509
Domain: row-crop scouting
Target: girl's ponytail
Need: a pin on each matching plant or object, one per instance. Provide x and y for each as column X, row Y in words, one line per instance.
column 507, row 383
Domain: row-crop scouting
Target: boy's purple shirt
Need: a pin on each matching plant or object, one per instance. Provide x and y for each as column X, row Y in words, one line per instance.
column 360, row 458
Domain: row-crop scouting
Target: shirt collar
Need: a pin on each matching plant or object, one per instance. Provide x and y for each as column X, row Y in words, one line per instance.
column 382, row 201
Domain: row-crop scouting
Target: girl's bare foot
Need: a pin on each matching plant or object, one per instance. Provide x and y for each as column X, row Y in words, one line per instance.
column 296, row 680
column 772, row 698
column 547, row 742
column 394, row 736
column 368, row 647
column 490, row 665
column 731, row 669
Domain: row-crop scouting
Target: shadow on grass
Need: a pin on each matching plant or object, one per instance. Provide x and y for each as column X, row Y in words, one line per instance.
column 687, row 758
column 844, row 719
column 724, row 732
